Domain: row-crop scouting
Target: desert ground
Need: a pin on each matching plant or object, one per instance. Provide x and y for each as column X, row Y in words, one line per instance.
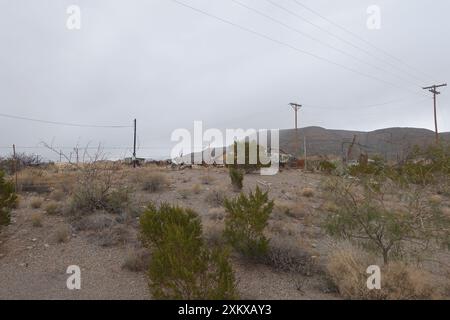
column 44, row 238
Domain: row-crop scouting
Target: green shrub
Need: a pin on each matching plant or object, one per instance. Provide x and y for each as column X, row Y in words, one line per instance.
column 245, row 223
column 327, row 166
column 237, row 178
column 377, row 167
column 8, row 200
column 182, row 267
column 369, row 216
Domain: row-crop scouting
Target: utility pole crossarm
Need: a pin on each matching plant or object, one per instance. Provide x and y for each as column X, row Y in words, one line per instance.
column 433, row 90
column 296, row 107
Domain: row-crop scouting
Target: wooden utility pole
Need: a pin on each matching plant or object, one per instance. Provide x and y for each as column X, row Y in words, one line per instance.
column 296, row 107
column 134, row 146
column 15, row 167
column 304, row 149
column 76, row 153
column 433, row 90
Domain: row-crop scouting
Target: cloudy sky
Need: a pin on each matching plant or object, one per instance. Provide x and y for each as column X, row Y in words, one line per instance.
column 168, row 65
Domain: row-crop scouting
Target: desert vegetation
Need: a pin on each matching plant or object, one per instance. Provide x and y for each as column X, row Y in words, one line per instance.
column 198, row 233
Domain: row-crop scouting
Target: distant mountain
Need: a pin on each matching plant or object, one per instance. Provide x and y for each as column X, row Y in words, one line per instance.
column 391, row 143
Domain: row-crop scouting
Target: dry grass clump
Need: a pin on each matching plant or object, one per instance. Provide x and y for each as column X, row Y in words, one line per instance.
column 36, row 203
column 213, row 232
column 403, row 282
column 155, row 182
column 330, row 207
column 435, row 199
column 281, row 228
column 308, row 192
column 137, row 261
column 42, row 181
column 286, row 254
column 215, row 198
column 61, row 234
column 34, row 180
column 196, row 189
column 95, row 222
column 187, row 192
column 291, row 209
column 216, row 214
column 57, row 195
column 347, row 270
column 36, row 220
column 117, row 235
column 207, row 179
column 52, row 208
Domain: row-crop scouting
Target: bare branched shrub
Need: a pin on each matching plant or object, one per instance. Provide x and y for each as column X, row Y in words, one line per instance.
column 97, row 184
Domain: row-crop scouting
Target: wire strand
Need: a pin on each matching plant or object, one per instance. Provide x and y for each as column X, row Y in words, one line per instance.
column 324, row 43
column 4, row 115
column 362, row 39
column 261, row 35
column 341, row 39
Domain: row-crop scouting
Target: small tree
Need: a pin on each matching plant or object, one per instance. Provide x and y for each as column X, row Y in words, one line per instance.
column 383, row 218
column 181, row 266
column 7, row 200
column 245, row 223
column 237, row 178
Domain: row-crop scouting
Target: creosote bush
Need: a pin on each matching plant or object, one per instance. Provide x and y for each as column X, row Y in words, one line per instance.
column 182, row 267
column 247, row 217
column 8, row 200
column 237, row 178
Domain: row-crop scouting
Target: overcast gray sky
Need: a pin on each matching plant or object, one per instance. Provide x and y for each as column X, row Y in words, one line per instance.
column 168, row 65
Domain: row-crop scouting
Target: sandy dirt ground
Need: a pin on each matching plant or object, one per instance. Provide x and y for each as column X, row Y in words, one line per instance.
column 33, row 262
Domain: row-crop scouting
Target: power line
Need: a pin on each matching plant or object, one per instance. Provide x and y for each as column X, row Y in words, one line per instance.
column 62, row 123
column 367, row 106
column 85, row 148
column 360, row 38
column 341, row 39
column 321, row 42
column 261, row 35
